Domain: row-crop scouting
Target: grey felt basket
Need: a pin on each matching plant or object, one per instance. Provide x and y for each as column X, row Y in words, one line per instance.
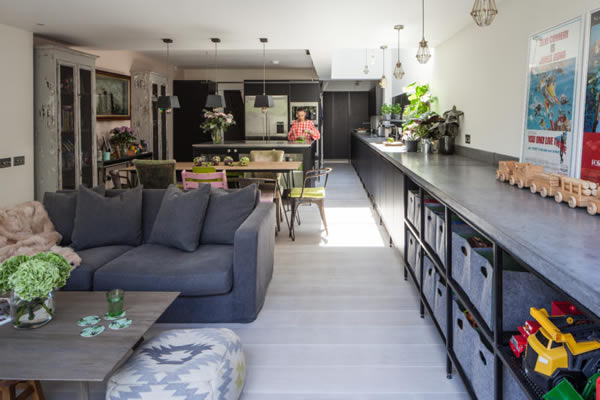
column 418, row 264
column 511, row 390
column 461, row 254
column 430, row 277
column 464, row 337
column 411, row 210
column 440, row 230
column 439, row 306
column 483, row 372
column 432, row 212
column 412, row 251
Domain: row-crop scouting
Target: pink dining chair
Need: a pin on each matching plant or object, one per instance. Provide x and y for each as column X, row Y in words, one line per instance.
column 191, row 180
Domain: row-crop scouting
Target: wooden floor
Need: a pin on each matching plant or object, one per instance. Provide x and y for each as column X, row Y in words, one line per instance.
column 340, row 322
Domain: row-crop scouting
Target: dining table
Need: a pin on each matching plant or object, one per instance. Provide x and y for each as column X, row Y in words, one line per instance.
column 253, row 166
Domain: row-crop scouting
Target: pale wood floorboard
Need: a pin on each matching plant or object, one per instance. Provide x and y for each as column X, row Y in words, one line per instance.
column 339, row 321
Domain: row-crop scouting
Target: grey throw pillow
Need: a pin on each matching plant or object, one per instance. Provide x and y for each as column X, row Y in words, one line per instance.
column 105, row 221
column 61, row 207
column 227, row 211
column 179, row 220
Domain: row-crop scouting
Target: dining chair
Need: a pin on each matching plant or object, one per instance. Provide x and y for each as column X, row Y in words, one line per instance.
column 191, row 180
column 269, row 193
column 269, row 156
column 308, row 194
column 155, row 174
column 21, row 390
column 119, row 180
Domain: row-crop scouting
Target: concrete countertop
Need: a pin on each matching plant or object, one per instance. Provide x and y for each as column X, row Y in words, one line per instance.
column 558, row 242
column 258, row 144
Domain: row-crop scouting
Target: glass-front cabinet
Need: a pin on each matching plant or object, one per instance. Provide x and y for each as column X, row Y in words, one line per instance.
column 65, row 137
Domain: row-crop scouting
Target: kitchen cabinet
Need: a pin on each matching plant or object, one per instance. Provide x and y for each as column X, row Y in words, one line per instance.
column 342, row 113
column 187, row 119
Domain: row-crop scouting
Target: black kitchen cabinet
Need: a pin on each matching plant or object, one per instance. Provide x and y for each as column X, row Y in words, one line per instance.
column 187, row 119
column 305, row 92
column 272, row 88
column 342, row 112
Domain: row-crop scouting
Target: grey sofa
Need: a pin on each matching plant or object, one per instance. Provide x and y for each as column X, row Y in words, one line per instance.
column 218, row 283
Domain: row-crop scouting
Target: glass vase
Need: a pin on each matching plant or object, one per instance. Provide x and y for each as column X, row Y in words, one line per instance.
column 31, row 314
column 217, row 136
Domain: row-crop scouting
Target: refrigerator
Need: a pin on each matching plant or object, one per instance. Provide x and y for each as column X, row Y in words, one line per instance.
column 272, row 124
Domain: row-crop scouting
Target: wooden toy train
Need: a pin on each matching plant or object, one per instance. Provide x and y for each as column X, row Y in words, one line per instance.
column 575, row 192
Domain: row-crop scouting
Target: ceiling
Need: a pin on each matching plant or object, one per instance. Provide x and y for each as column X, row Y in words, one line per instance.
column 291, row 26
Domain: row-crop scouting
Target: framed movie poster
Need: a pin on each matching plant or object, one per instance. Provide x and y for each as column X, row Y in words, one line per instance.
column 552, row 97
column 590, row 143
column 113, row 96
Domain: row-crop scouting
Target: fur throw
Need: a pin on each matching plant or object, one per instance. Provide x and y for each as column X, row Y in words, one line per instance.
column 26, row 229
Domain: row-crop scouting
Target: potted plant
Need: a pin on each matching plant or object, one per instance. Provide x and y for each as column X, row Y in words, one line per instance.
column 216, row 123
column 122, row 138
column 449, row 130
column 397, row 111
column 386, row 111
column 419, row 119
column 411, row 140
column 31, row 282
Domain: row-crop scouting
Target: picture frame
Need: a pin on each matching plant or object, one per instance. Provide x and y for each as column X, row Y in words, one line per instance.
column 113, row 96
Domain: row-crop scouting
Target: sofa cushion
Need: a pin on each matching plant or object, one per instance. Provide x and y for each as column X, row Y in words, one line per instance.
column 105, row 221
column 227, row 211
column 61, row 207
column 82, row 277
column 179, row 221
column 150, row 267
column 151, row 201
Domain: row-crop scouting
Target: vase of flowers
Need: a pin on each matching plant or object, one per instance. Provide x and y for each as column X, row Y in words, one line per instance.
column 31, row 282
column 122, row 138
column 216, row 123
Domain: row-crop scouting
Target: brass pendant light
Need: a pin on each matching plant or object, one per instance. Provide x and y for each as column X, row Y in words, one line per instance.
column 423, row 54
column 484, row 12
column 398, row 71
column 366, row 69
column 383, row 80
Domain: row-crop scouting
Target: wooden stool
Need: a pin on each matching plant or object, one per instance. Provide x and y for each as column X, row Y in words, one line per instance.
column 30, row 390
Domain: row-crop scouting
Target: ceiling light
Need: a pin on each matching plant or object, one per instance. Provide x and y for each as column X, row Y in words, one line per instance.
column 40, row 24
column 484, row 12
column 263, row 101
column 276, row 62
column 215, row 100
column 366, row 69
column 383, row 80
column 168, row 103
column 399, row 71
column 423, row 54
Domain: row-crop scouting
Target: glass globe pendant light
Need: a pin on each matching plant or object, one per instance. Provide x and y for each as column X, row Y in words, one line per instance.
column 423, row 54
column 398, row 71
column 383, row 80
column 366, row 69
column 484, row 12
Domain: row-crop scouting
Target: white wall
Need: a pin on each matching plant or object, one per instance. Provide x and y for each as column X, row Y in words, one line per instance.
column 483, row 70
column 240, row 75
column 16, row 114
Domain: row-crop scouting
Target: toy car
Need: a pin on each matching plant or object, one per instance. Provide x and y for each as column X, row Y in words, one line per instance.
column 518, row 343
column 505, row 170
column 545, row 184
column 523, row 174
column 564, row 347
column 576, row 192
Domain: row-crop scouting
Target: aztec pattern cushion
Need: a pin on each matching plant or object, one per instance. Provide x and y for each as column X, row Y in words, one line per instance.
column 182, row 364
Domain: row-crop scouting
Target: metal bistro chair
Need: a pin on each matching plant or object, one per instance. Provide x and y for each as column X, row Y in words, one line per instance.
column 155, row 174
column 309, row 195
column 191, row 180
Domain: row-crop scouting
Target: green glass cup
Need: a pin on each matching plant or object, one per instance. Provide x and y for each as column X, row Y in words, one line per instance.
column 115, row 300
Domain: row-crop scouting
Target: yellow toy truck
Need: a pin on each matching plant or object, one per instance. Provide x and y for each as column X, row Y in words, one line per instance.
column 564, row 347
column 523, row 174
column 505, row 170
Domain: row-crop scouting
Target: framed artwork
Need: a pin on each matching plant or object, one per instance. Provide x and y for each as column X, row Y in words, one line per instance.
column 113, row 96
column 552, row 98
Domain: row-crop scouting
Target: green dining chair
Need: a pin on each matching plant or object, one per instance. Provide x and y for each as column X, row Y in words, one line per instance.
column 155, row 174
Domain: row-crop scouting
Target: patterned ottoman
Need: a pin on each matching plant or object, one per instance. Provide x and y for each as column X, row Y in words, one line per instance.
column 183, row 364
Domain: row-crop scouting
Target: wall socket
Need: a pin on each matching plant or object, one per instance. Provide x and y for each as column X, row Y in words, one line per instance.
column 468, row 139
column 20, row 160
column 5, row 162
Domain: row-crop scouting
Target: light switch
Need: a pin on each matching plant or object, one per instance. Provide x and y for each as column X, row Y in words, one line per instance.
column 20, row 160
column 5, row 162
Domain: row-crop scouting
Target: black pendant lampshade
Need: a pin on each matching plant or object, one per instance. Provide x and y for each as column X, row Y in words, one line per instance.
column 167, row 102
column 263, row 101
column 215, row 101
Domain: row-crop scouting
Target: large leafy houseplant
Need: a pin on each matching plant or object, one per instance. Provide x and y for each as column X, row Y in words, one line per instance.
column 216, row 123
column 31, row 281
column 419, row 119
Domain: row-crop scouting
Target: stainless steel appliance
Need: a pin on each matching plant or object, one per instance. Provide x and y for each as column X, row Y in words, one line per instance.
column 375, row 122
column 271, row 124
column 312, row 110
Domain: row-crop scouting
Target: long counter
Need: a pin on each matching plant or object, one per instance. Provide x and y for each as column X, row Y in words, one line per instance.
column 558, row 242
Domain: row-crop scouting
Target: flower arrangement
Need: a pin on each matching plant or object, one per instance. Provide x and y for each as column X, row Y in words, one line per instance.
column 216, row 123
column 122, row 135
column 31, row 280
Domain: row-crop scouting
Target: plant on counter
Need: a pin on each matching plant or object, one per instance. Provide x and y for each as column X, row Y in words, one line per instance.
column 386, row 110
column 122, row 138
column 397, row 111
column 419, row 119
column 216, row 123
column 31, row 281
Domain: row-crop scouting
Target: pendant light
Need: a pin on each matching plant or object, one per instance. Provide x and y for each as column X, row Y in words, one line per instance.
column 484, row 12
column 264, row 101
column 383, row 80
column 423, row 54
column 168, row 103
column 399, row 71
column 215, row 100
column 366, row 69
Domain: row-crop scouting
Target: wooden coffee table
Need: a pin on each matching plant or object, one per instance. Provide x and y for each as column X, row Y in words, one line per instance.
column 56, row 352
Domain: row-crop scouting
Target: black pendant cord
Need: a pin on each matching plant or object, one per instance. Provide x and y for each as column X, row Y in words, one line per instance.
column 167, row 91
column 423, row 18
column 398, row 45
column 216, row 73
column 264, row 71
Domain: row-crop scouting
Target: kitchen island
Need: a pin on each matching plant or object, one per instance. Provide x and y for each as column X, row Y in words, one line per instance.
column 305, row 152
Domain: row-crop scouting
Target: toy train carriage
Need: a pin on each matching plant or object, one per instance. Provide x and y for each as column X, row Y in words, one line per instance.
column 577, row 192
column 523, row 174
column 505, row 170
column 545, row 184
